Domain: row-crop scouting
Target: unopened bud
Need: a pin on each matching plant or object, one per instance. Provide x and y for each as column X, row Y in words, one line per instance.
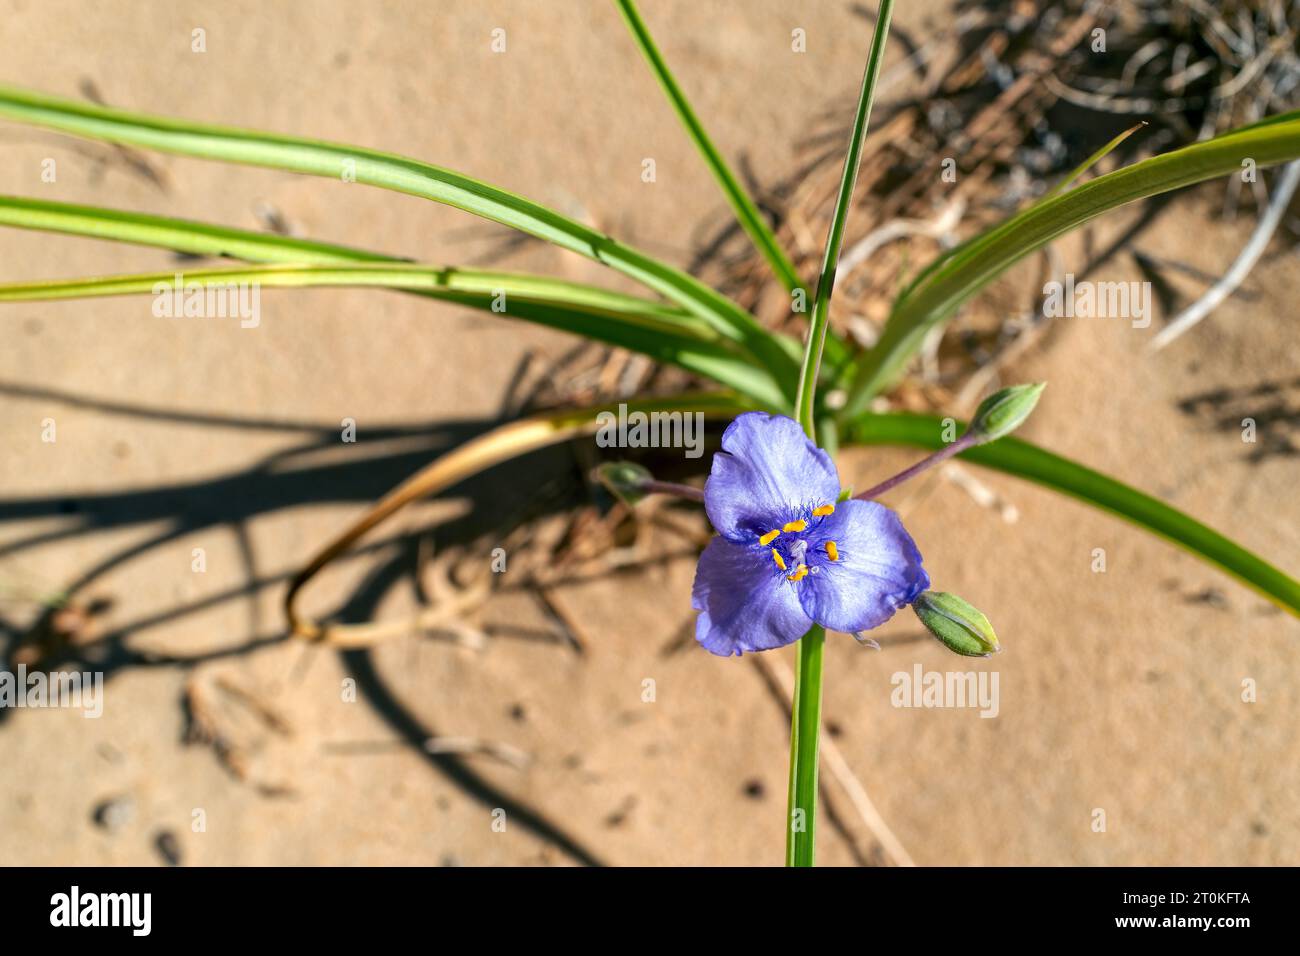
column 1004, row 411
column 625, row 480
column 957, row 624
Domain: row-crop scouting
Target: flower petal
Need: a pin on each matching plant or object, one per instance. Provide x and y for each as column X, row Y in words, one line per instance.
column 744, row 604
column 879, row 569
column 767, row 469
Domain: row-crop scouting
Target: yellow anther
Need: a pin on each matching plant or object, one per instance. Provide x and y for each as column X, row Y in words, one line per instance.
column 768, row 538
column 776, row 556
column 800, row 573
column 832, row 552
column 799, row 525
column 824, row 510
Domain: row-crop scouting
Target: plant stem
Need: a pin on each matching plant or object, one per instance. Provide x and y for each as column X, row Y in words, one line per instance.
column 805, row 723
column 806, row 393
column 806, row 708
column 956, row 448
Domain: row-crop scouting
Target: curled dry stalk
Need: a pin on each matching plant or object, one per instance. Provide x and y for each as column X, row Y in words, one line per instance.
column 476, row 455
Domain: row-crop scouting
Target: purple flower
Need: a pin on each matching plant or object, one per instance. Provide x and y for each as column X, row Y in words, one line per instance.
column 790, row 554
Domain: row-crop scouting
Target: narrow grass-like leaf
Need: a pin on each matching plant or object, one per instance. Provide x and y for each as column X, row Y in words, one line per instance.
column 958, row 275
column 598, row 314
column 747, row 212
column 179, row 235
column 204, row 239
column 1069, row 179
column 411, row 176
column 805, row 716
column 805, row 400
column 1024, row 460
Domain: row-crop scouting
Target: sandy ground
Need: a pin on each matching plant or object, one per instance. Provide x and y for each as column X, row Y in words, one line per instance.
column 1120, row 691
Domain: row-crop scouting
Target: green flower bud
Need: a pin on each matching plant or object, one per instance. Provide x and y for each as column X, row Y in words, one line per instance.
column 1004, row 411
column 960, row 626
column 625, row 480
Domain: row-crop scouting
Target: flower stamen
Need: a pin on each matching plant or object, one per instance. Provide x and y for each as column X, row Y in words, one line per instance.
column 832, row 551
column 800, row 573
column 824, row 510
column 799, row 525
column 768, row 538
column 776, row 556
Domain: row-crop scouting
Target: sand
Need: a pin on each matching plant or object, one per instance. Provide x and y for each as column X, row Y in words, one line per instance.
column 1119, row 691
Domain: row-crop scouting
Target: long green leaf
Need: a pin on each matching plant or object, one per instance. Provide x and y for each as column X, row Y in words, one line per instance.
column 958, row 275
column 179, row 235
column 581, row 310
column 1075, row 174
column 747, row 213
column 411, row 176
column 205, row 239
column 1020, row 458
column 197, row 238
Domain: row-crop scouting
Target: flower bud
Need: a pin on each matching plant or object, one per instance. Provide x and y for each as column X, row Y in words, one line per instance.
column 960, row 626
column 1004, row 411
column 625, row 480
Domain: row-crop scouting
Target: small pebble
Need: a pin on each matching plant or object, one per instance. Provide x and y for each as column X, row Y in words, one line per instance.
column 114, row 813
column 169, row 847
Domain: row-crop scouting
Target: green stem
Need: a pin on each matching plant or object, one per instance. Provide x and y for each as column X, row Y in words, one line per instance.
column 805, row 396
column 806, row 708
column 805, row 723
